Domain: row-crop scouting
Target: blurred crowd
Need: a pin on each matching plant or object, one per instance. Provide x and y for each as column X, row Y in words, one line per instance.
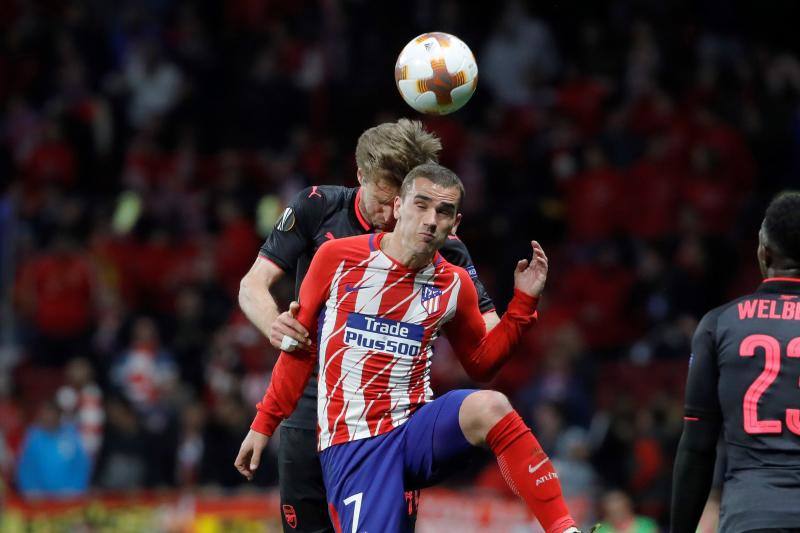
column 147, row 147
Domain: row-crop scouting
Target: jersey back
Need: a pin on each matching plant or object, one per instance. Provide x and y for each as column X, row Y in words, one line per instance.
column 753, row 346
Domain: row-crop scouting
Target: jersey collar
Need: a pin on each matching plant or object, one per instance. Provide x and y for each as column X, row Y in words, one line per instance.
column 780, row 285
column 366, row 226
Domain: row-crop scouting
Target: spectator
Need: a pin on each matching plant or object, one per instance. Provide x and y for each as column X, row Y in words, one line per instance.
column 124, row 461
column 52, row 462
column 81, row 399
column 618, row 516
column 146, row 375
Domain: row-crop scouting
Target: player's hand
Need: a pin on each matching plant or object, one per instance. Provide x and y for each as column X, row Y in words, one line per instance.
column 287, row 325
column 530, row 276
column 250, row 453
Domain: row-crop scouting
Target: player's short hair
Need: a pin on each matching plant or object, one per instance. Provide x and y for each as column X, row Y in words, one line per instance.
column 782, row 224
column 390, row 150
column 436, row 173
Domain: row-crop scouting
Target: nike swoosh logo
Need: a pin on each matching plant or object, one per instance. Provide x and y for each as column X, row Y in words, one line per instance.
column 532, row 469
column 354, row 288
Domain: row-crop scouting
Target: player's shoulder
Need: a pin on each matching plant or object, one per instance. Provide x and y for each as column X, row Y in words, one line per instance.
column 445, row 264
column 349, row 246
column 329, row 194
column 323, row 196
column 710, row 320
column 452, row 244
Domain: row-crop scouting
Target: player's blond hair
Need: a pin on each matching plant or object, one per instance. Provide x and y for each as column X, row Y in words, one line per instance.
column 390, row 150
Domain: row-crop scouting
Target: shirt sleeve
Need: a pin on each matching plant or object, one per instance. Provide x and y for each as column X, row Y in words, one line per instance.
column 456, row 252
column 693, row 469
column 482, row 354
column 293, row 370
column 294, row 231
column 701, row 384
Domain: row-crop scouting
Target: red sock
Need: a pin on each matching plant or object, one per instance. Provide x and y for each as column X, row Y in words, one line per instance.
column 529, row 472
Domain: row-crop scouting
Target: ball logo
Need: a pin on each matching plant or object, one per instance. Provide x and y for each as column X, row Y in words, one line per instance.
column 286, row 222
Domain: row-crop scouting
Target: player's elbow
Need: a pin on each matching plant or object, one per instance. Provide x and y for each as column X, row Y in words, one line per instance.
column 246, row 289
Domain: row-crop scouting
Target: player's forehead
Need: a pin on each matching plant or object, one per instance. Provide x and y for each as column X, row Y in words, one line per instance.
column 382, row 188
column 423, row 188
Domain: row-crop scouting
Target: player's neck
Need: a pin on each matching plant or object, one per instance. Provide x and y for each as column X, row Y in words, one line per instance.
column 392, row 246
column 783, row 273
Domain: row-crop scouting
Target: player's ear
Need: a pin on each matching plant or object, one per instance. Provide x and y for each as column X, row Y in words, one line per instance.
column 455, row 226
column 360, row 176
column 397, row 202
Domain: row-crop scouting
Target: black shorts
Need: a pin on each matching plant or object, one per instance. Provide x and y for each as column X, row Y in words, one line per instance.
column 304, row 507
column 778, row 530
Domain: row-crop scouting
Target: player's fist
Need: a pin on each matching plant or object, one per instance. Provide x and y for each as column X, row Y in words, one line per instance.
column 286, row 333
column 250, row 453
column 530, row 276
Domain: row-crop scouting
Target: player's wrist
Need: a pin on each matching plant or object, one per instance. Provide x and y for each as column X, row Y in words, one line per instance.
column 522, row 304
column 264, row 424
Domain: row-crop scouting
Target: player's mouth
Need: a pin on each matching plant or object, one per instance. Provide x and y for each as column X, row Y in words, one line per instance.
column 427, row 237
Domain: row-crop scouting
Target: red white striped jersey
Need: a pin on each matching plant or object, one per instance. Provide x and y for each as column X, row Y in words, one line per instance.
column 375, row 336
column 376, row 321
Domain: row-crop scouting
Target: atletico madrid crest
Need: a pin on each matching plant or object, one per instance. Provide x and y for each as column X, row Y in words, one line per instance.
column 430, row 298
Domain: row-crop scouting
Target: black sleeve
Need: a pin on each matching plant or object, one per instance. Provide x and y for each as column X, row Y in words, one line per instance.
column 455, row 252
column 294, row 231
column 694, row 462
column 702, row 398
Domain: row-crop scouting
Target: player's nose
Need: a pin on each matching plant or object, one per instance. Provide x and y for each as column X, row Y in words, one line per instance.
column 429, row 217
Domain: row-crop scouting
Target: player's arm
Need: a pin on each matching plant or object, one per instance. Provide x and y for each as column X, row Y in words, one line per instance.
column 292, row 235
column 481, row 353
column 455, row 251
column 292, row 371
column 694, row 462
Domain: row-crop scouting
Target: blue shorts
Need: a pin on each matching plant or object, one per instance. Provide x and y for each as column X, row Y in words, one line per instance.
column 366, row 480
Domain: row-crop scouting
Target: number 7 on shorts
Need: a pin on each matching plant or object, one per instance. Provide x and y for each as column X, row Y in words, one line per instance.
column 355, row 498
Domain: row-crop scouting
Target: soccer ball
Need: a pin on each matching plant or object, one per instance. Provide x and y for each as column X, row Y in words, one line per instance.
column 436, row 73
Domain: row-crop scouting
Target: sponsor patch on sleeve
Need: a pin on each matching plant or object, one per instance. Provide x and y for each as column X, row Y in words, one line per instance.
column 471, row 271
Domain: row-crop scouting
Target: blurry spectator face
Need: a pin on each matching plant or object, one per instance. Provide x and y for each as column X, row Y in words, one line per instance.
column 78, row 372
column 617, row 508
column 377, row 200
column 145, row 333
column 49, row 416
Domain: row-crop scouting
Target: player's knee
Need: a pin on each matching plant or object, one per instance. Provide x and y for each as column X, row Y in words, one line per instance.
column 480, row 411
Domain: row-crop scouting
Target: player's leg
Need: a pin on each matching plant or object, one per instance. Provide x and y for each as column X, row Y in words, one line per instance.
column 487, row 419
column 364, row 483
column 461, row 420
column 304, row 507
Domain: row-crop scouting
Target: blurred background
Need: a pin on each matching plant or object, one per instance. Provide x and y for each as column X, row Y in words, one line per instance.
column 147, row 147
